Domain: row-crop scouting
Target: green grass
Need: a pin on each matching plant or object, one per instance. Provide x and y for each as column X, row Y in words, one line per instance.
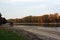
column 7, row 35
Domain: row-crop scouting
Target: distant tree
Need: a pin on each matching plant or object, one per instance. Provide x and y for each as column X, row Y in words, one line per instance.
column 52, row 18
column 0, row 20
column 46, row 18
column 4, row 21
column 0, row 14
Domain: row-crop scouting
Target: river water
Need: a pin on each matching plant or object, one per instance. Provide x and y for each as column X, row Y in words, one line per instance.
column 56, row 29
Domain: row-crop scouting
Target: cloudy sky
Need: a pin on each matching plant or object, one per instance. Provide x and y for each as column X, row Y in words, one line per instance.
column 22, row 8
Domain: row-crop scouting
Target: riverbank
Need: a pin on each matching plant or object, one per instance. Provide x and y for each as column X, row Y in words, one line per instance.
column 10, row 35
column 34, row 33
column 39, row 24
column 22, row 32
column 41, row 33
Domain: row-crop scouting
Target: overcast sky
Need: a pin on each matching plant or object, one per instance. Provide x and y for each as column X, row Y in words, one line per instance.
column 22, row 8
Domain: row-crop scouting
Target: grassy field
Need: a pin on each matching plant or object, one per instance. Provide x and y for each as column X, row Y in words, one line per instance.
column 7, row 35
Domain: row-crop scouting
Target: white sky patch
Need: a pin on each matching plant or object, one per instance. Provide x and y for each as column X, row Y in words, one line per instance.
column 42, row 6
column 57, row 2
column 45, row 0
column 28, row 0
column 19, row 8
column 12, row 1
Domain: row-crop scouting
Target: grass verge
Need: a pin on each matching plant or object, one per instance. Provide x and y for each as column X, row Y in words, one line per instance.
column 8, row 35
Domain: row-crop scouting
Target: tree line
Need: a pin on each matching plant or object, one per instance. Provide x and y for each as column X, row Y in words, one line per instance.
column 2, row 20
column 51, row 18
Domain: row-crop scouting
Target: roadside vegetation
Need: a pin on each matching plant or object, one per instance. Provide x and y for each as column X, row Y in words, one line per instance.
column 8, row 35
